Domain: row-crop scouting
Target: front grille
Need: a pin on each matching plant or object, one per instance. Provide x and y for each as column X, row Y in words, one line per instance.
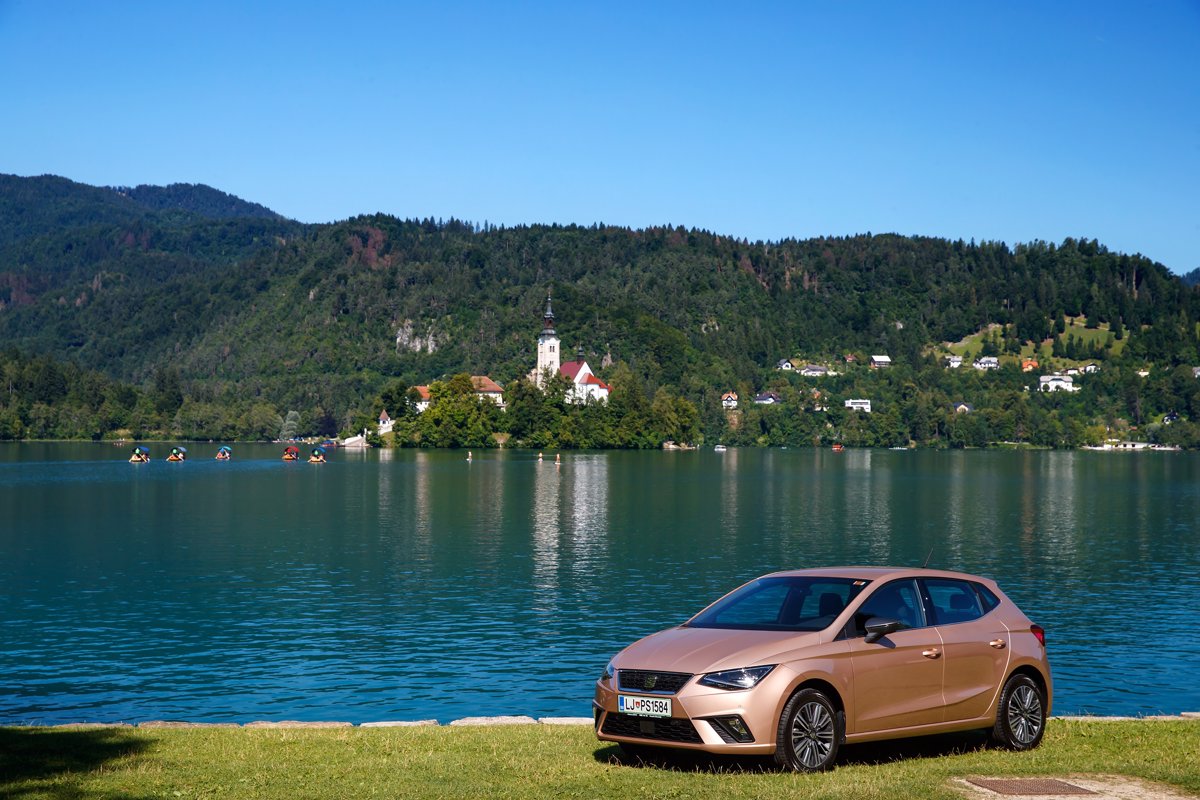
column 659, row 729
column 640, row 680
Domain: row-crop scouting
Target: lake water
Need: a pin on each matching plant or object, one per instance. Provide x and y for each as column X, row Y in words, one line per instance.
column 392, row 585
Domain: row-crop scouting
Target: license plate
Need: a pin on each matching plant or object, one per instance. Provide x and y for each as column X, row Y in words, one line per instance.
column 644, row 706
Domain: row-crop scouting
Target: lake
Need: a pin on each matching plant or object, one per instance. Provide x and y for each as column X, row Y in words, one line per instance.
column 405, row 585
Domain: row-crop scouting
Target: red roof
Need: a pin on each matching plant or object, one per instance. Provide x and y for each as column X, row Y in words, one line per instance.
column 423, row 391
column 571, row 368
column 383, row 416
column 486, row 385
column 592, row 380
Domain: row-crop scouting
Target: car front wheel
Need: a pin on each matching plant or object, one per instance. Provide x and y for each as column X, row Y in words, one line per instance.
column 1021, row 715
column 810, row 731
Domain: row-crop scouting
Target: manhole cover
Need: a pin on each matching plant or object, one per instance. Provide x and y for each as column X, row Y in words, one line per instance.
column 1023, row 787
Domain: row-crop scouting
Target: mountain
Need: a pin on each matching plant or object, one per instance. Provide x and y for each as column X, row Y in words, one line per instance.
column 1191, row 278
column 237, row 303
column 196, row 198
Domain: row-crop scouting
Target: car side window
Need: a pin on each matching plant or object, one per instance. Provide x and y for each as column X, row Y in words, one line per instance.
column 898, row 600
column 953, row 601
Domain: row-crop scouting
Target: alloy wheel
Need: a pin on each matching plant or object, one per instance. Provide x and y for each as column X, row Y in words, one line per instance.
column 812, row 734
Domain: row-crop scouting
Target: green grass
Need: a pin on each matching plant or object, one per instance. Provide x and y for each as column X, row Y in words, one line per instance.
column 542, row 762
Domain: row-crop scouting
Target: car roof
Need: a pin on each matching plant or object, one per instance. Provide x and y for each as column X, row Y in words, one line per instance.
column 875, row 573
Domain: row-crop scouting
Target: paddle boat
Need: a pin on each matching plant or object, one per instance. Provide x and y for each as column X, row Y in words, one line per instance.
column 291, row 453
column 178, row 454
column 140, row 455
column 224, row 453
column 318, row 456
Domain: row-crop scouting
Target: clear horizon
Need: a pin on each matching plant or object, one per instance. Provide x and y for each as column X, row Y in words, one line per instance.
column 1014, row 123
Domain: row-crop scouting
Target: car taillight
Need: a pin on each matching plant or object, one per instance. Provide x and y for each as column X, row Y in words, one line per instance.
column 1039, row 632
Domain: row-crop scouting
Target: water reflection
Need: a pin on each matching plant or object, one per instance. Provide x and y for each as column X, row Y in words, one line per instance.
column 415, row 584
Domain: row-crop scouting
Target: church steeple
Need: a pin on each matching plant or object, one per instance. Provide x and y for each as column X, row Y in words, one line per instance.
column 547, row 347
column 548, row 317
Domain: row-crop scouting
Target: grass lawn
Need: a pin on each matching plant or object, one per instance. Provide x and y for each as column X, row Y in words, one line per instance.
column 542, row 762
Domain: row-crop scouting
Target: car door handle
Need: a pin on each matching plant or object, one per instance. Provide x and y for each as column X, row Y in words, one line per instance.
column 999, row 644
column 932, row 652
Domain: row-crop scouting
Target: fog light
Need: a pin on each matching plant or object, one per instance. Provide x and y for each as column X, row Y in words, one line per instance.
column 732, row 729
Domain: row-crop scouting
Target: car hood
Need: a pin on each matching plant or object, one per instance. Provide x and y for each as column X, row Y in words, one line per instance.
column 696, row 650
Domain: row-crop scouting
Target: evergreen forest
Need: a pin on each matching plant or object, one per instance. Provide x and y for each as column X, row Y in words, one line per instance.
column 183, row 312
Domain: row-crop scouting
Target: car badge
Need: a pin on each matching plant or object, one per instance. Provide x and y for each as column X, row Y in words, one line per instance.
column 650, row 682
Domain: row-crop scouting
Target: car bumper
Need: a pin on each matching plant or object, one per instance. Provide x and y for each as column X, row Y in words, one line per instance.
column 701, row 718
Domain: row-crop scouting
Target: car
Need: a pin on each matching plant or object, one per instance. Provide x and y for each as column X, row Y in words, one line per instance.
column 795, row 664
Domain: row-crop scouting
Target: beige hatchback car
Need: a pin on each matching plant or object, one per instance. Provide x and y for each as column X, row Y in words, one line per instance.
column 797, row 663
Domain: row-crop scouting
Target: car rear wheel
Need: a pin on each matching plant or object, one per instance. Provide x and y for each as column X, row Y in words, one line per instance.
column 810, row 731
column 1021, row 715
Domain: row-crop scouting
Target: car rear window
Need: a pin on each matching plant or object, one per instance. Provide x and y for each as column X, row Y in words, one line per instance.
column 781, row 604
column 957, row 601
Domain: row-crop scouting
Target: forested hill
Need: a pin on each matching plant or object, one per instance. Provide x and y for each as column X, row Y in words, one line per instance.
column 197, row 198
column 321, row 317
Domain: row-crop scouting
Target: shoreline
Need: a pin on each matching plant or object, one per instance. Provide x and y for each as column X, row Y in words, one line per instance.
column 491, row 721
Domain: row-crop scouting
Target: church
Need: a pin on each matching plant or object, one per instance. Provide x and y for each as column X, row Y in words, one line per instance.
column 585, row 385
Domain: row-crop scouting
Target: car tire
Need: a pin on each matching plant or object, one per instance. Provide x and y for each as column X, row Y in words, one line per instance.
column 1020, row 715
column 810, row 732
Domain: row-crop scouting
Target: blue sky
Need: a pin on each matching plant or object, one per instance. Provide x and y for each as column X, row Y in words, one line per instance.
column 1007, row 121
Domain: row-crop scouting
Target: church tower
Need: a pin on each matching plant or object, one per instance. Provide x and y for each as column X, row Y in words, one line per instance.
column 547, row 347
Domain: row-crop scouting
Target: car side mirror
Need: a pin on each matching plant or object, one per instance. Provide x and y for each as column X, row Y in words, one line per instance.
column 878, row 627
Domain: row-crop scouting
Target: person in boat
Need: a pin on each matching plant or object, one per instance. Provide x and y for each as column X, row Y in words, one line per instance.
column 291, row 454
column 318, row 456
column 177, row 454
column 140, row 455
column 224, row 454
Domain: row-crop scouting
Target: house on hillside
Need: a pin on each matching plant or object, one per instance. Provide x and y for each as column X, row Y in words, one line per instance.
column 880, row 362
column 859, row 405
column 385, row 423
column 785, row 365
column 814, row 371
column 767, row 399
column 962, row 408
column 729, row 400
column 1089, row 369
column 1057, row 383
column 987, row 362
column 1029, row 365
column 953, row 362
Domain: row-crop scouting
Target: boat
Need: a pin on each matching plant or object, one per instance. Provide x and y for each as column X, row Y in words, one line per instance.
column 318, row 456
column 719, row 448
column 291, row 453
column 140, row 455
column 178, row 454
column 837, row 448
column 224, row 453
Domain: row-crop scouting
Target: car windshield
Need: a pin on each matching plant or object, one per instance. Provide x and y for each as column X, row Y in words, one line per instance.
column 801, row 603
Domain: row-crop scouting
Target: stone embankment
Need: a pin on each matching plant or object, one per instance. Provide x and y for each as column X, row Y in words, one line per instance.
column 467, row 721
column 291, row 723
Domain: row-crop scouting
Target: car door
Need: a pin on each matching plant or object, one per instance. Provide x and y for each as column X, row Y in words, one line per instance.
column 975, row 647
column 898, row 678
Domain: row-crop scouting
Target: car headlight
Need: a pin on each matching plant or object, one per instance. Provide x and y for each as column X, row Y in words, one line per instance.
column 733, row 679
column 609, row 671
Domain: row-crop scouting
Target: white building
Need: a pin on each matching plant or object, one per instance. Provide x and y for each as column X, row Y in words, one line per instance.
column 729, row 400
column 585, row 385
column 1057, row 383
column 987, row 362
column 878, row 362
column 859, row 405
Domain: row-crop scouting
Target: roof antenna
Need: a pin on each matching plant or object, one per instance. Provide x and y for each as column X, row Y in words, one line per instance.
column 926, row 564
